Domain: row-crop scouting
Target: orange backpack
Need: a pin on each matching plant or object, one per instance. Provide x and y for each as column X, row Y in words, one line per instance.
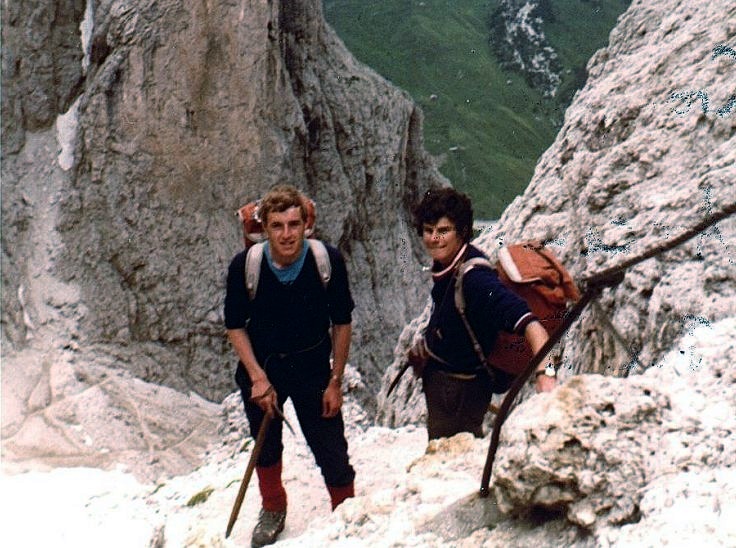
column 537, row 276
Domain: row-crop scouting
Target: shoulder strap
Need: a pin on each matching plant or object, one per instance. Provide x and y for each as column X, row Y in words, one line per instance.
column 254, row 257
column 253, row 268
column 466, row 267
column 322, row 259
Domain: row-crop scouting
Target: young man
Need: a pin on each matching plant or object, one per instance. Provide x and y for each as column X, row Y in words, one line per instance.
column 457, row 386
column 284, row 337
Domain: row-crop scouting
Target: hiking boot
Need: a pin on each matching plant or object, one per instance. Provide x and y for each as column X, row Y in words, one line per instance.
column 269, row 525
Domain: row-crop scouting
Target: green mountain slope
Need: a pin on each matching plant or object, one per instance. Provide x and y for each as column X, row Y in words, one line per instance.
column 487, row 125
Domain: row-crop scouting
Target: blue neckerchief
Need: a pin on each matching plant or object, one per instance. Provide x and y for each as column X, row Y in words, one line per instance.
column 288, row 274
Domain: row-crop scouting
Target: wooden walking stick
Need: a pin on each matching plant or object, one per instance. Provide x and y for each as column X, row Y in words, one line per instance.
column 248, row 472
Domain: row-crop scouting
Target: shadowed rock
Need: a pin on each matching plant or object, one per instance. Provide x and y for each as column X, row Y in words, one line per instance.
column 187, row 111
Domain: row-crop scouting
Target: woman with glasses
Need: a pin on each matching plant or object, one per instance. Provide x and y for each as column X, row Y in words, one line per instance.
column 457, row 386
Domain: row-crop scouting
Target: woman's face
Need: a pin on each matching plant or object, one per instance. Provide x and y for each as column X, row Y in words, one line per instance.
column 441, row 240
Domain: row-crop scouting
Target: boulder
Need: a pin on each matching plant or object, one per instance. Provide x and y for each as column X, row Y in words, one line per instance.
column 601, row 450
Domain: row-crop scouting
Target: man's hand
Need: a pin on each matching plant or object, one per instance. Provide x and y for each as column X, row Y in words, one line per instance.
column 263, row 394
column 332, row 399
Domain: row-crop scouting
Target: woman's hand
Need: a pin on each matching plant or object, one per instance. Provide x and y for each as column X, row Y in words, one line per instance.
column 417, row 357
column 543, row 383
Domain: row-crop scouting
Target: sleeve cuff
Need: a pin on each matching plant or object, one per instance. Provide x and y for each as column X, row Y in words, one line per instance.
column 522, row 322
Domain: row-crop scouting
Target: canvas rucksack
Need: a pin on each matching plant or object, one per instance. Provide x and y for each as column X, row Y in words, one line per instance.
column 537, row 276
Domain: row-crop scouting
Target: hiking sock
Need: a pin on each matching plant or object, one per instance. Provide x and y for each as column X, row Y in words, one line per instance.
column 273, row 493
column 339, row 494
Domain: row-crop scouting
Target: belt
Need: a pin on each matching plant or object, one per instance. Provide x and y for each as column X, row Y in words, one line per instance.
column 282, row 355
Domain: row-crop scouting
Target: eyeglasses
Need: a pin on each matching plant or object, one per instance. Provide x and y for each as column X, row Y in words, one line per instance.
column 439, row 231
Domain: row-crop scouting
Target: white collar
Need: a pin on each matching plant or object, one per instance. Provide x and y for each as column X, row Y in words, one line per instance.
column 453, row 264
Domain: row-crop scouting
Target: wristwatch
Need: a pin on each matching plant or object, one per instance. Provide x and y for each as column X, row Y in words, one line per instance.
column 548, row 371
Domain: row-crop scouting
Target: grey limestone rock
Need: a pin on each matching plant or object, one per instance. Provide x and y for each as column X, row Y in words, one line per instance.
column 70, row 409
column 41, row 64
column 188, row 110
column 604, row 451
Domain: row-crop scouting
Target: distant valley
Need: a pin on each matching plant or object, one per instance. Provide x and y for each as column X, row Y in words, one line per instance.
column 493, row 77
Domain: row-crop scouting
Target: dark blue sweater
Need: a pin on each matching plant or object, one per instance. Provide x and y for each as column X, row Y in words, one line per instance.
column 490, row 308
column 287, row 318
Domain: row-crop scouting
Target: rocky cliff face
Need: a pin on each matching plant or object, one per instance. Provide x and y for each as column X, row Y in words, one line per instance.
column 647, row 149
column 178, row 114
column 42, row 65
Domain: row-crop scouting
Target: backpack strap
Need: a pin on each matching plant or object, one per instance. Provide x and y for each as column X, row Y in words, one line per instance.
column 254, row 256
column 324, row 267
column 464, row 268
column 253, row 268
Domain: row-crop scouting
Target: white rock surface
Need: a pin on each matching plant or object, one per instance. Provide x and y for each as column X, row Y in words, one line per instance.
column 68, row 408
column 409, row 494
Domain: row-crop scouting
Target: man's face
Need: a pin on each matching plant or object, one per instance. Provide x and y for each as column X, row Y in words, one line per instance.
column 285, row 231
column 441, row 240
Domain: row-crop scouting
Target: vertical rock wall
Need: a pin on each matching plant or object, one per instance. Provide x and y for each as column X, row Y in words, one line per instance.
column 42, row 65
column 41, row 74
column 632, row 167
column 188, row 110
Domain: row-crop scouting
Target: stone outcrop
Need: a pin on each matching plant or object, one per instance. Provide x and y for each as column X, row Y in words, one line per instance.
column 640, row 158
column 599, row 449
column 41, row 62
column 187, row 110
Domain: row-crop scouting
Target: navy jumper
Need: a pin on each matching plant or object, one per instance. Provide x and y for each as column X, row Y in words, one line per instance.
column 288, row 326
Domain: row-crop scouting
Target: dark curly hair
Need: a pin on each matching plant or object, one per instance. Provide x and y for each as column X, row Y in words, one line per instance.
column 445, row 202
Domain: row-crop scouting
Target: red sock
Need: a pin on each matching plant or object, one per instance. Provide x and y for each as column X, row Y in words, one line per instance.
column 273, row 493
column 339, row 494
